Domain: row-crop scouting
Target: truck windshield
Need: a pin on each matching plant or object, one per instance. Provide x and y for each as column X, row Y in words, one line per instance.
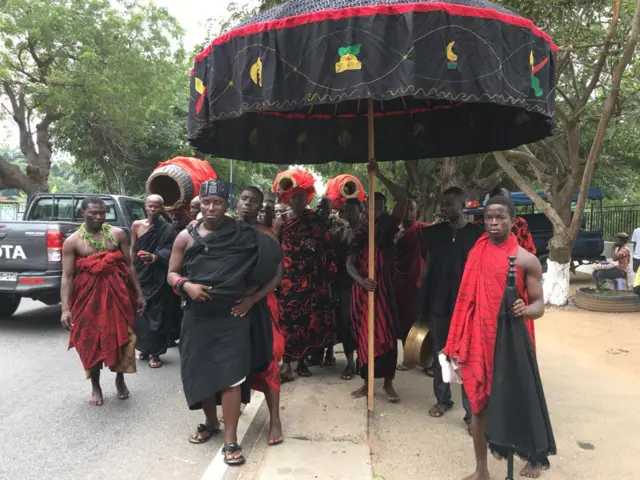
column 65, row 209
column 134, row 209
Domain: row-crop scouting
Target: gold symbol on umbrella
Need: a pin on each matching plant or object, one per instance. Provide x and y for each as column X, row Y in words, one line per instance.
column 348, row 59
column 201, row 88
column 256, row 72
column 452, row 58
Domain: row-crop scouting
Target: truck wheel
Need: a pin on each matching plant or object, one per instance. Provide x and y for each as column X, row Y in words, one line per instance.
column 8, row 305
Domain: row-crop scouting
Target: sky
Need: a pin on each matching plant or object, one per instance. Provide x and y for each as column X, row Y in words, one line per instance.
column 192, row 14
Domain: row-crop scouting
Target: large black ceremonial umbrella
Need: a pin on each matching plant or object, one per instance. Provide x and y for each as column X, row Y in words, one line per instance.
column 517, row 420
column 314, row 81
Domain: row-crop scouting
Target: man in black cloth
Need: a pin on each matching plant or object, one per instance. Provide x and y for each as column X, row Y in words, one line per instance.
column 194, row 208
column 151, row 243
column 268, row 381
column 447, row 247
column 217, row 265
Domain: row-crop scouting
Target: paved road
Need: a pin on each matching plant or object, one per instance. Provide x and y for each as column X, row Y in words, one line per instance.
column 48, row 429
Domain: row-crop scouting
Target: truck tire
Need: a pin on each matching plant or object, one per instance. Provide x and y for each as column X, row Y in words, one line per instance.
column 8, row 305
column 621, row 302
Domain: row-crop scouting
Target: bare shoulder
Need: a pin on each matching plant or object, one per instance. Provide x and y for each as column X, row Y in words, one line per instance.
column 182, row 239
column 70, row 242
column 118, row 234
column 136, row 224
column 529, row 262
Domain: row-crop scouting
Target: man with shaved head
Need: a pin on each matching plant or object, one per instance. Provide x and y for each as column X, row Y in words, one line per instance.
column 194, row 208
column 151, row 243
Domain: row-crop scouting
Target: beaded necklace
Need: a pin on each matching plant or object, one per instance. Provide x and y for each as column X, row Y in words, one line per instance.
column 98, row 244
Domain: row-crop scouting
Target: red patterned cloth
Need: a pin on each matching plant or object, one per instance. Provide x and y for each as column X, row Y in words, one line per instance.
column 385, row 344
column 306, row 321
column 521, row 231
column 270, row 378
column 408, row 275
column 472, row 334
column 102, row 305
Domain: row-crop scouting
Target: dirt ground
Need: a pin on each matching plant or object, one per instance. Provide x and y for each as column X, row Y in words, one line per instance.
column 589, row 367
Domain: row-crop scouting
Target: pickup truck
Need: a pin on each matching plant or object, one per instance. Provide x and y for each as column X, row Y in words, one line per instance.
column 31, row 249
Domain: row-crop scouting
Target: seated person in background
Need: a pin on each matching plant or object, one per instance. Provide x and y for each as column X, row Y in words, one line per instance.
column 622, row 255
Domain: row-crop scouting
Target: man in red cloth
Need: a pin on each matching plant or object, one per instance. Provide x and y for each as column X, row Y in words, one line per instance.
column 410, row 257
column 471, row 340
column 100, row 298
column 520, row 226
column 385, row 343
column 268, row 381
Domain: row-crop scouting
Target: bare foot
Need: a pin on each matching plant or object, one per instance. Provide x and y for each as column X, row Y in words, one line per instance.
column 479, row 476
column 392, row 395
column 530, row 472
column 121, row 387
column 96, row 398
column 275, row 434
column 361, row 392
column 286, row 375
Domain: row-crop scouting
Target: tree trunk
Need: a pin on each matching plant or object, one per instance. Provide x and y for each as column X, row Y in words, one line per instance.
column 449, row 175
column 37, row 154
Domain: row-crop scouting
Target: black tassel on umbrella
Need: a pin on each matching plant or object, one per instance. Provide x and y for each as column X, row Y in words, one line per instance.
column 518, row 421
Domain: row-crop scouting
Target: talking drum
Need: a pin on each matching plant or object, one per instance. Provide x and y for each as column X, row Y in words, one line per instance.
column 343, row 187
column 178, row 180
column 288, row 180
column 418, row 348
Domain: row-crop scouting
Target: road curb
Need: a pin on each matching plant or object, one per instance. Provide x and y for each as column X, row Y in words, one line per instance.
column 217, row 467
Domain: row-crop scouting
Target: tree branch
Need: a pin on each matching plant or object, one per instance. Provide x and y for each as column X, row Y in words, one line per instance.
column 545, row 207
column 602, row 59
column 12, row 177
column 607, row 111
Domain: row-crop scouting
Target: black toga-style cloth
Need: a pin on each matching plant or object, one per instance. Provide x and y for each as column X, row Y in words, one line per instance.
column 217, row 349
column 153, row 327
column 447, row 250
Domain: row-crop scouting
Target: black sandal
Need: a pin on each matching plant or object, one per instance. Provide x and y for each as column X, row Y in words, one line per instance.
column 233, row 448
column 204, row 434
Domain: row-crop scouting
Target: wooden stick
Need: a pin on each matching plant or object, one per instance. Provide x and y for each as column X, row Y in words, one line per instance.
column 372, row 266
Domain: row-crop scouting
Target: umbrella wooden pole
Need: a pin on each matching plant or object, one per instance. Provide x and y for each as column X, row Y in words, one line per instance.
column 372, row 266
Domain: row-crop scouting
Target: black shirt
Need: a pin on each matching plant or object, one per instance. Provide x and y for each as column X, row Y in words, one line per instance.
column 448, row 249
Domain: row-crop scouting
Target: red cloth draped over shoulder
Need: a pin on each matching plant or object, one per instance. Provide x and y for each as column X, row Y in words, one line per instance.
column 102, row 306
column 474, row 323
column 270, row 378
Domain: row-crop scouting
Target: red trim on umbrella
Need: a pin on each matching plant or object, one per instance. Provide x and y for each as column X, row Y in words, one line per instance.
column 306, row 18
column 326, row 116
column 537, row 68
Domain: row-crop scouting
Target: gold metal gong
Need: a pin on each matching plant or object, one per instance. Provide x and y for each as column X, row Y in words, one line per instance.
column 418, row 349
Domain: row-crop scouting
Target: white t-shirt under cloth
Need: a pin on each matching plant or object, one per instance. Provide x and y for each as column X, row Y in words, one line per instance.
column 635, row 238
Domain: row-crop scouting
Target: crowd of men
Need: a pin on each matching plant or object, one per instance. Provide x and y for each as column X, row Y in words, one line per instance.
column 259, row 298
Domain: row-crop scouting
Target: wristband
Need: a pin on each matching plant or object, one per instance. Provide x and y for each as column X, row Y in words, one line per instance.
column 178, row 285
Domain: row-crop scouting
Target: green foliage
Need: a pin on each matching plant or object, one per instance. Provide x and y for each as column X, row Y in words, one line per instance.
column 105, row 75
